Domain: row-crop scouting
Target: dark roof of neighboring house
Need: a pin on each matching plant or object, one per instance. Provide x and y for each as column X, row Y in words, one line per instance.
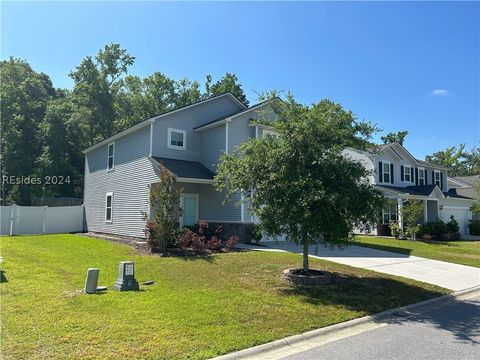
column 467, row 190
column 185, row 169
column 230, row 115
column 421, row 190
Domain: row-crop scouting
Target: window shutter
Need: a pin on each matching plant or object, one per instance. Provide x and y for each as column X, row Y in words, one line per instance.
column 402, row 172
column 391, row 173
column 416, row 176
column 380, row 172
column 441, row 180
column 433, row 177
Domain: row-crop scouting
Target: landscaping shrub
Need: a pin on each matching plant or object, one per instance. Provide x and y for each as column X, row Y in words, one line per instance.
column 202, row 238
column 396, row 231
column 231, row 242
column 474, row 227
column 256, row 234
column 439, row 230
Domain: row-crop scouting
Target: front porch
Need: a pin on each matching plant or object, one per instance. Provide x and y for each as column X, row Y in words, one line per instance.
column 199, row 200
column 430, row 195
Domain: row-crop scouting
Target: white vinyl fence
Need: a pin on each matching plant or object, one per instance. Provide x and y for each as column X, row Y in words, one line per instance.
column 17, row 220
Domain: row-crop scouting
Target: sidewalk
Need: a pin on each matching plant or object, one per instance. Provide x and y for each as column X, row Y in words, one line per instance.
column 448, row 275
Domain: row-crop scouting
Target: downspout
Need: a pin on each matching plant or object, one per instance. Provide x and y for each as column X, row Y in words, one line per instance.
column 151, row 138
column 226, row 135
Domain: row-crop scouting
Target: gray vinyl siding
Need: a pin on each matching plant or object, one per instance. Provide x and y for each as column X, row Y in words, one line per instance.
column 129, row 182
column 212, row 209
column 239, row 130
column 187, row 120
column 212, row 146
column 210, row 203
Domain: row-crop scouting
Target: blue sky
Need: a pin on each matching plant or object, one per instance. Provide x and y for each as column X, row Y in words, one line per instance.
column 412, row 65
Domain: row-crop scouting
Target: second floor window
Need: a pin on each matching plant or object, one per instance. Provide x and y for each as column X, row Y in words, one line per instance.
column 421, row 176
column 437, row 178
column 110, row 157
column 177, row 139
column 408, row 174
column 386, row 172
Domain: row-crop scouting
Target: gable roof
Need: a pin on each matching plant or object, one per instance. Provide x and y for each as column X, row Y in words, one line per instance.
column 422, row 190
column 464, row 185
column 391, row 146
column 185, row 169
column 223, row 119
column 146, row 122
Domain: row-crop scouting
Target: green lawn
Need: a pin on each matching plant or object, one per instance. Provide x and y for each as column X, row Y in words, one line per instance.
column 198, row 307
column 460, row 252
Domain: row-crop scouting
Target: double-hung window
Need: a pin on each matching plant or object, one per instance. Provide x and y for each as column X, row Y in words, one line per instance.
column 408, row 174
column 109, row 207
column 386, row 172
column 110, row 156
column 421, row 176
column 437, row 178
column 177, row 139
column 390, row 213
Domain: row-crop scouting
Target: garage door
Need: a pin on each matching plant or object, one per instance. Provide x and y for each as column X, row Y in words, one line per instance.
column 460, row 214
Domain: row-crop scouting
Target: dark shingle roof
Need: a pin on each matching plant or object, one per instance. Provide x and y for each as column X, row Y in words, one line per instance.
column 469, row 190
column 230, row 115
column 185, row 169
column 421, row 190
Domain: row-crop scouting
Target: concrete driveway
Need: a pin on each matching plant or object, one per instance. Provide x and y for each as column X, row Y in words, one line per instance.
column 448, row 275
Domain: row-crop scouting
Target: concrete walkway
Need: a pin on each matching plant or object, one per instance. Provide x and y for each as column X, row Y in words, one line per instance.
column 448, row 275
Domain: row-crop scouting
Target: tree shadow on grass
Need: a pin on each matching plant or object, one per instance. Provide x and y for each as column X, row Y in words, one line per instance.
column 3, row 278
column 372, row 295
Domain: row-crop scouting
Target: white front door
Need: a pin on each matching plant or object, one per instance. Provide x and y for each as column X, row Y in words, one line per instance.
column 189, row 205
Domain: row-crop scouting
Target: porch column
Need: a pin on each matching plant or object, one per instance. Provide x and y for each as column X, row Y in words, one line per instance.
column 425, row 214
column 399, row 212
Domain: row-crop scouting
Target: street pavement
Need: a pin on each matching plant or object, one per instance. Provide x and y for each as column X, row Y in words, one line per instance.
column 448, row 332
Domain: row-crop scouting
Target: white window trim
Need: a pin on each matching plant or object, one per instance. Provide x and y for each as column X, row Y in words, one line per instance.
column 111, row 207
column 405, row 173
column 169, row 140
column 439, row 178
column 389, row 172
column 422, row 178
column 197, row 209
column 113, row 156
column 392, row 209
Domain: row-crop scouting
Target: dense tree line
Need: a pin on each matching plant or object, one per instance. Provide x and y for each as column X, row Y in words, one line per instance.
column 44, row 129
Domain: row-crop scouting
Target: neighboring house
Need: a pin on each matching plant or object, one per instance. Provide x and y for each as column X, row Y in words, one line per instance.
column 401, row 177
column 467, row 186
column 189, row 141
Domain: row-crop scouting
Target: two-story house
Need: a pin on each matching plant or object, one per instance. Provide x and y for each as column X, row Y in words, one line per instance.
column 120, row 170
column 401, row 177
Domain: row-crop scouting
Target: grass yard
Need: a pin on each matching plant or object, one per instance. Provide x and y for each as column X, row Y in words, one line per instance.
column 198, row 308
column 460, row 252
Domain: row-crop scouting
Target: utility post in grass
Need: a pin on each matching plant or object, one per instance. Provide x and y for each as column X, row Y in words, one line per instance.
column 300, row 183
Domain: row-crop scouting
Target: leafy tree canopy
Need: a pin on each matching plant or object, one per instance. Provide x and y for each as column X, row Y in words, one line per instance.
column 304, row 186
column 398, row 137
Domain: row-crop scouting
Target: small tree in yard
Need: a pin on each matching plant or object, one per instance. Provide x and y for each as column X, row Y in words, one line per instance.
column 411, row 212
column 299, row 183
column 164, row 202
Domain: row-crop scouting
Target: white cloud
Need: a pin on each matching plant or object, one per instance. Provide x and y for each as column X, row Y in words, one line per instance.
column 439, row 92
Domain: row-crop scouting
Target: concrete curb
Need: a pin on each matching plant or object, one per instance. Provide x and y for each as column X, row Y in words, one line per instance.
column 290, row 340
